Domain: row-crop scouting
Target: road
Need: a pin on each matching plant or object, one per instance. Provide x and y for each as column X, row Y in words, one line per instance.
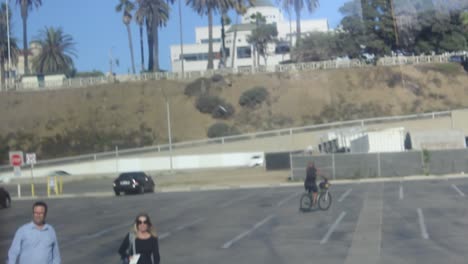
column 385, row 223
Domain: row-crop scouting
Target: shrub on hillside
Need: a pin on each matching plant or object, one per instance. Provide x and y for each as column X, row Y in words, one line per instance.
column 198, row 87
column 221, row 130
column 207, row 103
column 253, row 97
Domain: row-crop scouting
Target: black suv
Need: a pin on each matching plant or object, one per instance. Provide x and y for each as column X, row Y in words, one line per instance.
column 133, row 182
column 5, row 199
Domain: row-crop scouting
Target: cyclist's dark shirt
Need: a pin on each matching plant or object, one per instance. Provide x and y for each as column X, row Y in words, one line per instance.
column 311, row 175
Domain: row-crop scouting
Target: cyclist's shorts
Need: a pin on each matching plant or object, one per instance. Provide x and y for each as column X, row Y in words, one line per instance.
column 311, row 188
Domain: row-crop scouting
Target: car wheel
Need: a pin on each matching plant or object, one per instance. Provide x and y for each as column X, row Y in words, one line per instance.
column 141, row 190
column 117, row 193
column 7, row 202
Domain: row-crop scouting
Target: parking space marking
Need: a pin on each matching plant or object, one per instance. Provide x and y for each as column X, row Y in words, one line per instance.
column 238, row 199
column 280, row 203
column 343, row 196
column 164, row 235
column 95, row 235
column 182, row 227
column 332, row 228
column 401, row 192
column 462, row 194
column 424, row 233
column 246, row 233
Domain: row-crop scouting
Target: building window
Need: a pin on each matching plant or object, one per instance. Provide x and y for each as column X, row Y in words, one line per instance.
column 195, row 57
column 282, row 49
column 215, row 40
column 244, row 52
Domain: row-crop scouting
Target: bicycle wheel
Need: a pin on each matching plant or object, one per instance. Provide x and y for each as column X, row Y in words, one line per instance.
column 324, row 201
column 306, row 202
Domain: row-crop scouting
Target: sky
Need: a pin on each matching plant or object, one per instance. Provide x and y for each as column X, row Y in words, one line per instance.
column 97, row 30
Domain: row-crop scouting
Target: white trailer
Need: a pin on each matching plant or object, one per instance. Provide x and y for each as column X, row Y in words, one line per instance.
column 389, row 140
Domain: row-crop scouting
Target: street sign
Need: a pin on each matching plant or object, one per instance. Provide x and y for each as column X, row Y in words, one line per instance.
column 16, row 158
column 31, row 158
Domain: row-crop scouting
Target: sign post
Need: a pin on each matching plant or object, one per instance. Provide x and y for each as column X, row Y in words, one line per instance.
column 16, row 160
column 31, row 160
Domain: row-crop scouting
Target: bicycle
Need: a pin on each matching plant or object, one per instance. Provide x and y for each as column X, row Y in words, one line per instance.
column 324, row 198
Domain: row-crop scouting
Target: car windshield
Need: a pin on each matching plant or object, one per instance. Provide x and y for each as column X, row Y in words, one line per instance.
column 221, row 119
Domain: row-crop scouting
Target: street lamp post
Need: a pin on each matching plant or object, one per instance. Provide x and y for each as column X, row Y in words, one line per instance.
column 170, row 133
column 8, row 40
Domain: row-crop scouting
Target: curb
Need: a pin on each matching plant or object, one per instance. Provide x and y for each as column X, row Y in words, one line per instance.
column 254, row 186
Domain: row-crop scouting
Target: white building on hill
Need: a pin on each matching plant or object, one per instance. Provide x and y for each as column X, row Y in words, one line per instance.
column 196, row 55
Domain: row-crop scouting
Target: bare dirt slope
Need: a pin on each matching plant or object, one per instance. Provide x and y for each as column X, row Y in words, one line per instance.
column 129, row 110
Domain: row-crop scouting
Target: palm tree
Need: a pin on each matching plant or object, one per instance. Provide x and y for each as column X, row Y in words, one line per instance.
column 57, row 49
column 156, row 15
column 298, row 5
column 26, row 6
column 4, row 43
column 127, row 7
column 140, row 19
column 207, row 7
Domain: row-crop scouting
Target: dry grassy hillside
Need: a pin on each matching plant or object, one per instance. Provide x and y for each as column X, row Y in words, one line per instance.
column 133, row 114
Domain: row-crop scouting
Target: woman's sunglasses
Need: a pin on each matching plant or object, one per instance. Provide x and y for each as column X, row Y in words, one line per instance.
column 142, row 222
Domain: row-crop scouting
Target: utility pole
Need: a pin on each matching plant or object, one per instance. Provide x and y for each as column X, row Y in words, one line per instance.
column 8, row 41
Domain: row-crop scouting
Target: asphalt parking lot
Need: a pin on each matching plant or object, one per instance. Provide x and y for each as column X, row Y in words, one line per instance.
column 391, row 222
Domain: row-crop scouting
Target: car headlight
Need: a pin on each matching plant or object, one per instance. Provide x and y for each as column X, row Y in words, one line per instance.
column 113, row 184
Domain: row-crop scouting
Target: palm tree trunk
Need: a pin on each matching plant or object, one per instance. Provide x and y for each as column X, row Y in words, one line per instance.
column 156, row 50
column 149, row 32
column 155, row 43
column 234, row 41
column 130, row 43
column 142, row 51
column 25, row 45
column 210, row 39
column 298, row 24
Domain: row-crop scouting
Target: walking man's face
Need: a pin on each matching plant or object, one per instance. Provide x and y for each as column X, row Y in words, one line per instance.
column 39, row 215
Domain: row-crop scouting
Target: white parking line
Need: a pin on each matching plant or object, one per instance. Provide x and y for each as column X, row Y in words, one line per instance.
column 164, row 235
column 287, row 199
column 332, row 228
column 344, row 195
column 182, row 227
column 401, row 192
column 238, row 199
column 424, row 233
column 244, row 234
column 95, row 235
column 458, row 190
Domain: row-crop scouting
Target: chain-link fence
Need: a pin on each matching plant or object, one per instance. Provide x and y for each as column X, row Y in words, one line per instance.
column 373, row 165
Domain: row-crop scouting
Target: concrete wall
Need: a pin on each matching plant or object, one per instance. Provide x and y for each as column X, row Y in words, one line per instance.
column 118, row 165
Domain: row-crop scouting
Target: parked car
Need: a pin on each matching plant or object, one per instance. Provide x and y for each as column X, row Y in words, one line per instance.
column 59, row 173
column 5, row 199
column 133, row 182
column 256, row 160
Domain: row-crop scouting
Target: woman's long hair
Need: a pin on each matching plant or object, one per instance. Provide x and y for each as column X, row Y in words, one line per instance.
column 151, row 228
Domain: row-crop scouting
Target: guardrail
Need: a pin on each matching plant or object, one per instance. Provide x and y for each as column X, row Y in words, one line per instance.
column 236, row 138
column 191, row 75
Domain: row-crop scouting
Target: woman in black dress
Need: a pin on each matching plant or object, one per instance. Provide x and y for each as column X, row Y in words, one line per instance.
column 145, row 242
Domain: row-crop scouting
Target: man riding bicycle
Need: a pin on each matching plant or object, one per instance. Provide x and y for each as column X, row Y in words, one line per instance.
column 310, row 183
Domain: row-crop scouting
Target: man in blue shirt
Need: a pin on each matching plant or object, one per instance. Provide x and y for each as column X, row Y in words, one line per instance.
column 35, row 242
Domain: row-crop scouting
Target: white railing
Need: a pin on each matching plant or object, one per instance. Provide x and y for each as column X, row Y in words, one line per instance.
column 298, row 67
column 242, row 137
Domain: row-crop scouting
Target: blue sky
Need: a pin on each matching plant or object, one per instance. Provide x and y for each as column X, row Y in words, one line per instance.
column 97, row 29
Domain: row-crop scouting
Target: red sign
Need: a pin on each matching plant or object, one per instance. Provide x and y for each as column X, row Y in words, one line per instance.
column 16, row 158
